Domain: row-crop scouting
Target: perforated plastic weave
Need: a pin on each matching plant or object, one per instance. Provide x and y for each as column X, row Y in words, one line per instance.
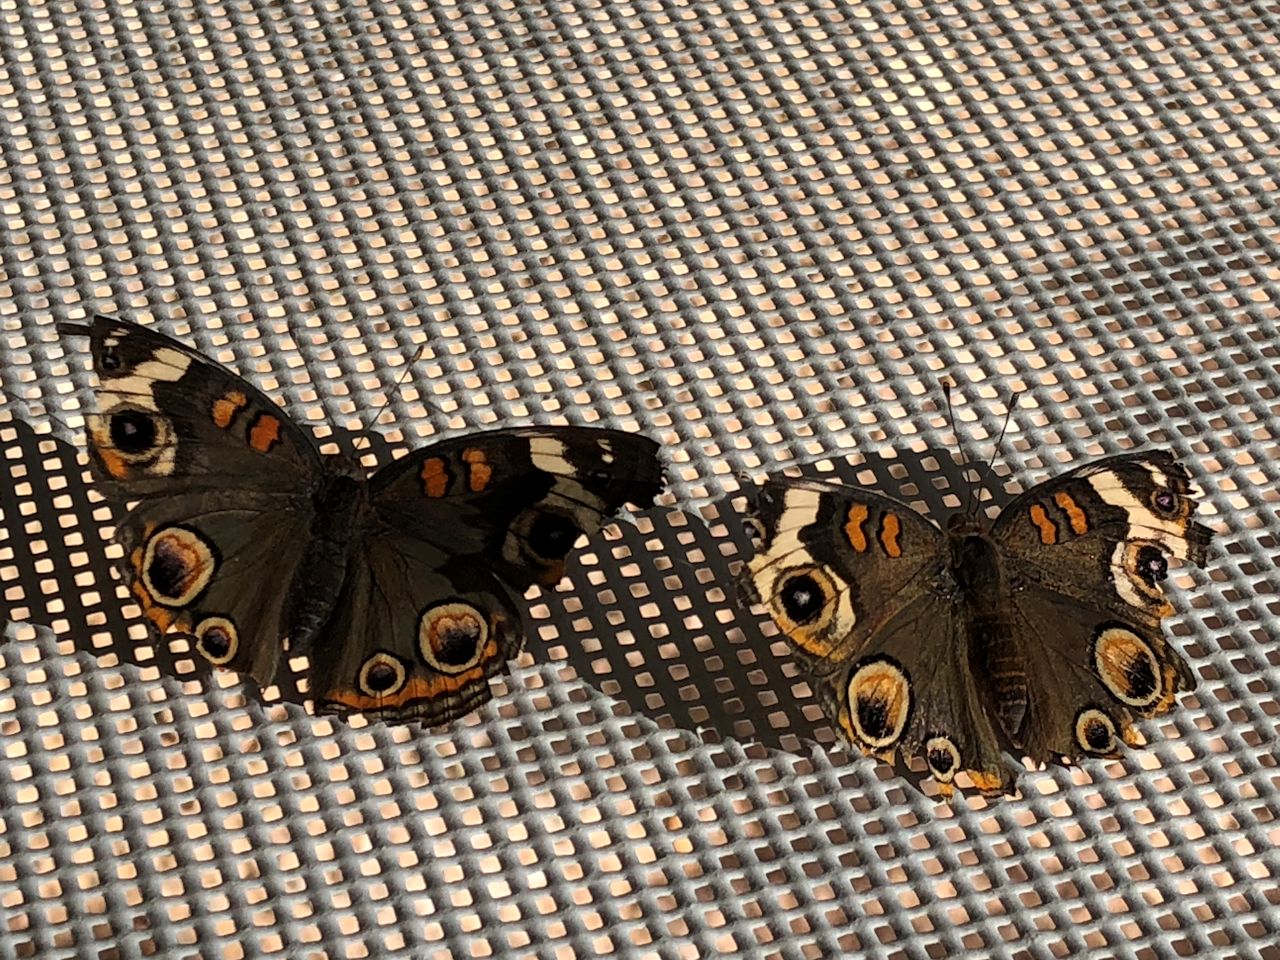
column 761, row 232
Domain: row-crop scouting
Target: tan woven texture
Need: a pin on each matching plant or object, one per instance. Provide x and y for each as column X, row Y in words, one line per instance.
column 760, row 232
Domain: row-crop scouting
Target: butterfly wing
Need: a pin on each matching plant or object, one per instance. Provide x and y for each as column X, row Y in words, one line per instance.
column 1085, row 554
column 220, row 479
column 427, row 614
column 859, row 585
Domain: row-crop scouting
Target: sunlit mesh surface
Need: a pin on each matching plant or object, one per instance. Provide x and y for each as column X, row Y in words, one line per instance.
column 759, row 232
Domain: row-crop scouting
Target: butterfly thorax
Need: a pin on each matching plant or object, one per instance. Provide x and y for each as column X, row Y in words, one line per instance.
column 338, row 506
column 981, row 588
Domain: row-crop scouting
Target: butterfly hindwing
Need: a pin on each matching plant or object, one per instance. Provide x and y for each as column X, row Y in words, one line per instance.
column 1087, row 554
column 416, row 633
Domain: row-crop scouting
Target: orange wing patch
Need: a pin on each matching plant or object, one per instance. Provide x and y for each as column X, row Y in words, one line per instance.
column 890, row 529
column 1048, row 530
column 853, row 531
column 434, row 477
column 415, row 689
column 1076, row 516
column 264, row 432
column 226, row 407
column 479, row 473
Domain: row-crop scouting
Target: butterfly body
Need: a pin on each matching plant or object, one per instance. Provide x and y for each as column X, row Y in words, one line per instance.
column 1036, row 634
column 400, row 587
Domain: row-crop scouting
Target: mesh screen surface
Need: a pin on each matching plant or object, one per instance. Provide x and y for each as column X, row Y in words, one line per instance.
column 760, row 232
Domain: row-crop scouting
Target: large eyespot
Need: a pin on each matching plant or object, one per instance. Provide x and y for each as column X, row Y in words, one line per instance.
column 802, row 597
column 552, row 535
column 1096, row 732
column 217, row 640
column 177, row 565
column 812, row 607
column 452, row 636
column 133, row 432
column 879, row 702
column 943, row 757
column 129, row 436
column 382, row 675
column 1150, row 564
column 1127, row 666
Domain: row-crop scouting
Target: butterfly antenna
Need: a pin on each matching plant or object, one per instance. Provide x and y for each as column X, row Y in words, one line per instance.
column 947, row 386
column 386, row 399
column 1010, row 405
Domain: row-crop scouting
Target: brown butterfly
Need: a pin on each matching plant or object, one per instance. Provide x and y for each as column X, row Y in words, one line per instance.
column 1038, row 633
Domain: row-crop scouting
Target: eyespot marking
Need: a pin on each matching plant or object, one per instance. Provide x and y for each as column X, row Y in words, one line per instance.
column 1138, row 568
column 1127, row 666
column 226, row 407
column 890, row 529
column 176, row 566
column 879, row 703
column 129, row 437
column 479, row 472
column 1095, row 732
column 813, row 608
column 943, row 757
column 217, row 640
column 1048, row 529
column 1075, row 515
column 454, row 637
column 264, row 432
column 853, row 529
column 435, row 477
column 382, row 675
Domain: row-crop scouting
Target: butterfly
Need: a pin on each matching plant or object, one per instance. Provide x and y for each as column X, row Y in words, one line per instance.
column 1038, row 633
column 399, row 587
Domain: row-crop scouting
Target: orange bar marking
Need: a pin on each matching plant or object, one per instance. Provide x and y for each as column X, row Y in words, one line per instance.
column 1048, row 532
column 225, row 408
column 1079, row 522
column 853, row 531
column 479, row 473
column 265, row 432
column 435, row 478
column 890, row 528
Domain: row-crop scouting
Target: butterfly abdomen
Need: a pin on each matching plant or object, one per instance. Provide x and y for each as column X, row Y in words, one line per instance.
column 993, row 654
column 338, row 505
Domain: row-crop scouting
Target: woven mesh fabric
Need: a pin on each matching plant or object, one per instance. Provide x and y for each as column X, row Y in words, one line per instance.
column 761, row 232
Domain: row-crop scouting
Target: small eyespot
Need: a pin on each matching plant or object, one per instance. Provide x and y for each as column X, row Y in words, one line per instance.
column 943, row 757
column 453, row 636
column 1165, row 502
column 802, row 598
column 381, row 675
column 1095, row 731
column 217, row 640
